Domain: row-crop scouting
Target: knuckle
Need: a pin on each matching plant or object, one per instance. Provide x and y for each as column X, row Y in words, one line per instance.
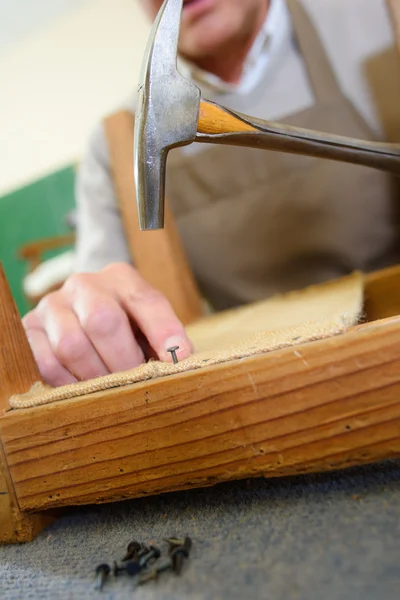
column 49, row 368
column 148, row 295
column 75, row 283
column 72, row 345
column 118, row 269
column 46, row 304
column 29, row 320
column 104, row 319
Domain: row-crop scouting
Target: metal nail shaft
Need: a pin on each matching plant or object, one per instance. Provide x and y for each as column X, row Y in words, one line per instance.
column 172, row 351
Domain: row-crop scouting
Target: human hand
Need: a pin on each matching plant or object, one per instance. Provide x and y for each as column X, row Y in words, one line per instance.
column 100, row 323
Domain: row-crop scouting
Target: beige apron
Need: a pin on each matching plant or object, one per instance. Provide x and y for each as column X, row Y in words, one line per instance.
column 255, row 223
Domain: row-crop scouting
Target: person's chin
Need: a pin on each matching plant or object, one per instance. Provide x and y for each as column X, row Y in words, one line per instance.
column 202, row 41
column 197, row 51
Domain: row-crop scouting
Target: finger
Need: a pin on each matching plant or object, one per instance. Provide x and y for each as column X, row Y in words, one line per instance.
column 68, row 341
column 151, row 311
column 50, row 367
column 107, row 326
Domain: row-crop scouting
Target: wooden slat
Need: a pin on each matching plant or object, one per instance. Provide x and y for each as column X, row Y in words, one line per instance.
column 34, row 250
column 159, row 255
column 382, row 294
column 394, row 8
column 18, row 371
column 320, row 406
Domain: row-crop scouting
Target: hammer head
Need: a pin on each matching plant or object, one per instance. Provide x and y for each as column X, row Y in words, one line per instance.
column 166, row 116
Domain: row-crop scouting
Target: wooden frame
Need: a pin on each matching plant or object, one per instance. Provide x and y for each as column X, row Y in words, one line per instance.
column 18, row 371
column 320, row 406
column 32, row 253
column 158, row 254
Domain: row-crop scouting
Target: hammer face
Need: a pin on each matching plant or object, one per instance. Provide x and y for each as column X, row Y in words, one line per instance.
column 166, row 116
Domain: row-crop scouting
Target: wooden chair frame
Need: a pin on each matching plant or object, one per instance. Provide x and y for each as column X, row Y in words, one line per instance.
column 326, row 405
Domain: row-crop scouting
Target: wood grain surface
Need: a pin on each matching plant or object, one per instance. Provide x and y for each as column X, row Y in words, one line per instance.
column 320, row 406
column 18, row 371
column 214, row 119
column 382, row 294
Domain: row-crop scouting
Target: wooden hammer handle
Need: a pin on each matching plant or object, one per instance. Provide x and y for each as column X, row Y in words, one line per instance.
column 219, row 125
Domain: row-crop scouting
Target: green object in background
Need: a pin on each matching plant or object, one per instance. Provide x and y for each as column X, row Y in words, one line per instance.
column 32, row 213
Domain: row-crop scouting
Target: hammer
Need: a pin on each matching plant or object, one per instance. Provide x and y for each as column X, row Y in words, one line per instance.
column 172, row 113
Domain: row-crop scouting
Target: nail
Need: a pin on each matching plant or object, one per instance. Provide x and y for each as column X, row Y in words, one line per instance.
column 179, row 549
column 175, row 343
column 133, row 548
column 178, row 555
column 153, row 553
column 133, row 567
column 102, row 572
column 146, row 576
column 175, row 542
column 153, row 573
column 173, row 353
column 117, row 569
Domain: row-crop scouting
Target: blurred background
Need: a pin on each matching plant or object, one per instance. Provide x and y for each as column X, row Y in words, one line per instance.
column 64, row 64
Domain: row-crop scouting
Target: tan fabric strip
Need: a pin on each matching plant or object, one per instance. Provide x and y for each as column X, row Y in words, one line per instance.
column 159, row 255
column 394, row 9
column 321, row 74
column 382, row 72
column 311, row 314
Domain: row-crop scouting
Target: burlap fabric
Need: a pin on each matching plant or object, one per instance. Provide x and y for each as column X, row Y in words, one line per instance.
column 311, row 314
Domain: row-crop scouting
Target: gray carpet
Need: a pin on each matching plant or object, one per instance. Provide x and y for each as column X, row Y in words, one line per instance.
column 325, row 537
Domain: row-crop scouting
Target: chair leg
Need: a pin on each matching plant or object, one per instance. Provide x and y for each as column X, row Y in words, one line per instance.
column 18, row 371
